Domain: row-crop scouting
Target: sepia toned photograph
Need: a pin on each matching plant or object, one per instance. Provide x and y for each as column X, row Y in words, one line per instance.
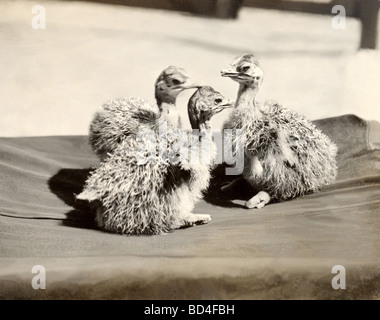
column 189, row 150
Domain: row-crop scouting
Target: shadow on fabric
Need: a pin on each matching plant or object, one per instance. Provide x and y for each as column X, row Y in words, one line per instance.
column 66, row 184
column 241, row 190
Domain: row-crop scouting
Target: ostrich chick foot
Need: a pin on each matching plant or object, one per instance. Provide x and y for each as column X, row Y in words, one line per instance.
column 258, row 201
column 196, row 219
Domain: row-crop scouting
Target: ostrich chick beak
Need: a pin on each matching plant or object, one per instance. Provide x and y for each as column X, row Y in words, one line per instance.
column 229, row 72
column 225, row 104
column 190, row 84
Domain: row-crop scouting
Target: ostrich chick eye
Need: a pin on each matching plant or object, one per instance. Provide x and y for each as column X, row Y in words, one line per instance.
column 176, row 82
column 217, row 101
column 245, row 68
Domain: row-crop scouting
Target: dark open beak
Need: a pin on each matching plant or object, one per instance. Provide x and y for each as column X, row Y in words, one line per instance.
column 225, row 104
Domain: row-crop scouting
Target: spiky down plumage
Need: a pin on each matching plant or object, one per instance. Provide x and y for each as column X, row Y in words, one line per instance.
column 118, row 119
column 152, row 179
column 152, row 198
column 285, row 154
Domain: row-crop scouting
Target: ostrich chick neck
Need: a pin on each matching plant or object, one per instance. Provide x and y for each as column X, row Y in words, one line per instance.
column 169, row 113
column 247, row 98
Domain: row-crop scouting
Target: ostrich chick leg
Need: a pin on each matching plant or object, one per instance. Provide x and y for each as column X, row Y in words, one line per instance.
column 231, row 186
column 99, row 211
column 191, row 219
column 258, row 201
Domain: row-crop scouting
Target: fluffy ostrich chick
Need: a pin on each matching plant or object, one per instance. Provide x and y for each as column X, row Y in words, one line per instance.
column 125, row 116
column 285, row 155
column 143, row 190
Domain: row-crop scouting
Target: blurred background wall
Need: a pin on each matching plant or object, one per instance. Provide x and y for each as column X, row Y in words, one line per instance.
column 365, row 10
column 54, row 79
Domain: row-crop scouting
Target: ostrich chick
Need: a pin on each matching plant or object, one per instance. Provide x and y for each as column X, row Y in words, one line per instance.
column 137, row 194
column 125, row 116
column 285, row 155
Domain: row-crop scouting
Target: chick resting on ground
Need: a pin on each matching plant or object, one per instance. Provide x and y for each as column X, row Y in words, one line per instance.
column 143, row 189
column 285, row 155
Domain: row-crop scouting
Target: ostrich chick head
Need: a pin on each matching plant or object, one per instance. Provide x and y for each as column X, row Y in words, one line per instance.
column 170, row 83
column 205, row 103
column 246, row 70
